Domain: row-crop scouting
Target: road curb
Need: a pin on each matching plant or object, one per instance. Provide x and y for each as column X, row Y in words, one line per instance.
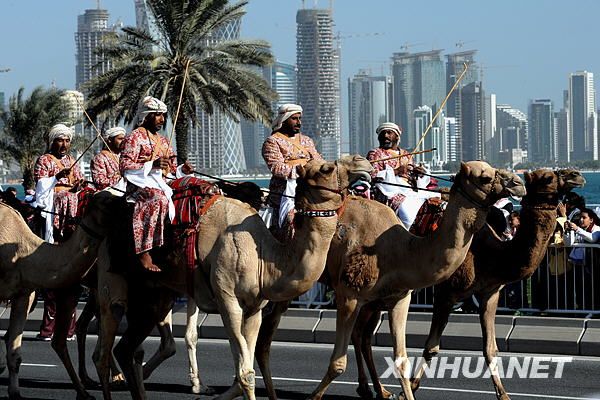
column 549, row 335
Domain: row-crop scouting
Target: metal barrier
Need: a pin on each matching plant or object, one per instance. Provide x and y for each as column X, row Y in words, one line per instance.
column 567, row 282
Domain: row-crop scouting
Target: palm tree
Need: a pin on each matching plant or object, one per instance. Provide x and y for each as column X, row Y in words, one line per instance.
column 217, row 73
column 26, row 124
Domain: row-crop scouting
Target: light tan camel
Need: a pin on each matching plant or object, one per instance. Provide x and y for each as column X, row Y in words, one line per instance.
column 242, row 266
column 28, row 263
column 492, row 263
column 377, row 259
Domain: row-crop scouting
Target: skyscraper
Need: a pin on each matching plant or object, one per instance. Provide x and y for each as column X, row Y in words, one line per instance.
column 319, row 80
column 418, row 81
column 473, row 122
column 74, row 100
column 370, row 103
column 511, row 131
column 490, row 139
column 436, row 137
column 215, row 144
column 582, row 116
column 282, row 78
column 540, row 143
column 454, row 67
column 92, row 27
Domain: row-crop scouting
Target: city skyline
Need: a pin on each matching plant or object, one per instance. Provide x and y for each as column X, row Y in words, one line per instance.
column 515, row 69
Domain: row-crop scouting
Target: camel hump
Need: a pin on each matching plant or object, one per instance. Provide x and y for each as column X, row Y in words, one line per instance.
column 360, row 270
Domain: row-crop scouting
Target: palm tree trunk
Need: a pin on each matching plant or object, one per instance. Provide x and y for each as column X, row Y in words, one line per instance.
column 181, row 139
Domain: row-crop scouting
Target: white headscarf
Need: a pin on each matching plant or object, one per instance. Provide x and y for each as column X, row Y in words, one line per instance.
column 283, row 113
column 147, row 106
column 59, row 130
column 112, row 132
column 389, row 126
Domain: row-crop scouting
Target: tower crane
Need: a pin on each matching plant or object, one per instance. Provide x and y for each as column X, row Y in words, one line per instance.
column 406, row 46
column 461, row 43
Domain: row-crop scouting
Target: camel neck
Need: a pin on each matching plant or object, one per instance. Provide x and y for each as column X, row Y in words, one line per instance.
column 63, row 264
column 300, row 261
column 523, row 254
column 440, row 253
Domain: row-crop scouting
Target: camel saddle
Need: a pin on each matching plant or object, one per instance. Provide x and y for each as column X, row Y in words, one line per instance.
column 192, row 197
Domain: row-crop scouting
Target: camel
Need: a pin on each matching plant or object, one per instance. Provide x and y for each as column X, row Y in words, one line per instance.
column 241, row 267
column 362, row 265
column 492, row 263
column 247, row 192
column 28, row 263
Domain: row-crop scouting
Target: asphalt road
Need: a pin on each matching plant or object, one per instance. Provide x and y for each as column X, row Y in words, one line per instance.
column 297, row 370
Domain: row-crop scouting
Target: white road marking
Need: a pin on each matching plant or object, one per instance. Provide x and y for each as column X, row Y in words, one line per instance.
column 440, row 389
column 39, row 365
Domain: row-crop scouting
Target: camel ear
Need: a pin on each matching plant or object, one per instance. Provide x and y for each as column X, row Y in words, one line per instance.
column 301, row 171
column 528, row 177
column 327, row 168
column 464, row 168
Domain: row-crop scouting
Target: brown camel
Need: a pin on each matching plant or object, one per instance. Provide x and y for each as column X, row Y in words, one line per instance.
column 247, row 192
column 242, row 266
column 28, row 263
column 362, row 265
column 493, row 263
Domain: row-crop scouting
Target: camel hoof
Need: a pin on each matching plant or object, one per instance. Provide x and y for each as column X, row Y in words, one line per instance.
column 89, row 383
column 204, row 390
column 389, row 396
column 364, row 392
column 85, row 396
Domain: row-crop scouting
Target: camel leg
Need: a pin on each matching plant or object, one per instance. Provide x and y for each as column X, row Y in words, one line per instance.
column 362, row 320
column 18, row 315
column 234, row 321
column 367, row 353
column 488, row 303
column 66, row 301
column 109, row 323
column 142, row 315
column 166, row 348
column 347, row 311
column 398, row 315
column 268, row 327
column 81, row 328
column 191, row 341
column 442, row 307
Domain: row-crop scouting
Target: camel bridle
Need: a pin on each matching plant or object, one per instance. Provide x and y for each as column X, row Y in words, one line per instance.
column 339, row 191
column 498, row 179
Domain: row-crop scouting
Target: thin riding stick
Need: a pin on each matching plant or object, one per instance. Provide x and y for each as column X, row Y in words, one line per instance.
column 466, row 66
column 98, row 135
column 403, row 155
column 237, row 184
column 185, row 74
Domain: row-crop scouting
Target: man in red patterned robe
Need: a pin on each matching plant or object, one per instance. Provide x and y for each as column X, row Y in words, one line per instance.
column 58, row 179
column 285, row 149
column 146, row 157
column 105, row 165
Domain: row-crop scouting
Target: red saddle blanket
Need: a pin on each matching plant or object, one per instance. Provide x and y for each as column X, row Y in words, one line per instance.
column 428, row 217
column 192, row 197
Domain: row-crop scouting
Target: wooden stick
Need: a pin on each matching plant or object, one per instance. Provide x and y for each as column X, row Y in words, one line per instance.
column 98, row 134
column 185, row 74
column 403, row 155
column 442, row 106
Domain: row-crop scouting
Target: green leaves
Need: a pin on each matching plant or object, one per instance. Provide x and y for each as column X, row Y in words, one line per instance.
column 220, row 74
column 27, row 121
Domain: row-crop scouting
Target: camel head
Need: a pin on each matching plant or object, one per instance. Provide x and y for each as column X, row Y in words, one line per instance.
column 321, row 184
column 569, row 179
column 483, row 185
column 100, row 213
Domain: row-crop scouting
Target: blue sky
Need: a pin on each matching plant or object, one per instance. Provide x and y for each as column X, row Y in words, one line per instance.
column 530, row 46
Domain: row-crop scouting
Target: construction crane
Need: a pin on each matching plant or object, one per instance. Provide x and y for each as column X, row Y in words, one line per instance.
column 338, row 36
column 461, row 43
column 406, row 46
